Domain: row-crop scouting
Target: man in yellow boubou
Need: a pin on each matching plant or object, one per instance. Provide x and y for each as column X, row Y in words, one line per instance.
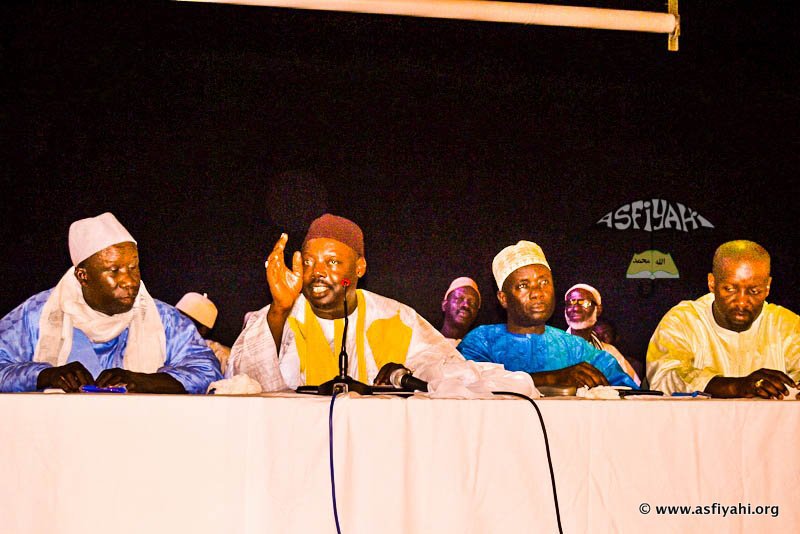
column 383, row 334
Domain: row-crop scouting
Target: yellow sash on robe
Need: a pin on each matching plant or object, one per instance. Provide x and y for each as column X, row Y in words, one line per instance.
column 388, row 339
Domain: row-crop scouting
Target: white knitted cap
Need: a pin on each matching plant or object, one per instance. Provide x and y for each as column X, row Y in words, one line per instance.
column 91, row 235
column 513, row 257
column 198, row 307
column 463, row 281
column 595, row 293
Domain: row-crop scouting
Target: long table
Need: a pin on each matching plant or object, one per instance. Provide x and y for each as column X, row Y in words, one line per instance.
column 253, row 464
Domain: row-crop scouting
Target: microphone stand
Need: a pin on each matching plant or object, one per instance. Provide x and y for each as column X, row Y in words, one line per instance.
column 341, row 383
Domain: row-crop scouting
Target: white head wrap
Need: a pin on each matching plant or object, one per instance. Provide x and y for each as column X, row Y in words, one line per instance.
column 513, row 257
column 198, row 307
column 463, row 281
column 89, row 236
column 595, row 293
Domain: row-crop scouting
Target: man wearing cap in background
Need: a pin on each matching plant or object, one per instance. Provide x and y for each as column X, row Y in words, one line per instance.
column 295, row 340
column 99, row 326
column 582, row 307
column 460, row 305
column 203, row 313
column 526, row 342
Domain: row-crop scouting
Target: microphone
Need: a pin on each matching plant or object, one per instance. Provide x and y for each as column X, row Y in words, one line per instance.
column 341, row 383
column 403, row 379
column 343, row 359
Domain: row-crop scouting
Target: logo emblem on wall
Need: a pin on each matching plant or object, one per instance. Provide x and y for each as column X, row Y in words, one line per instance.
column 654, row 214
column 652, row 264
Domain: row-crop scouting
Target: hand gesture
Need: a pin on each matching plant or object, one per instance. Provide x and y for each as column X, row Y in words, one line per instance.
column 285, row 285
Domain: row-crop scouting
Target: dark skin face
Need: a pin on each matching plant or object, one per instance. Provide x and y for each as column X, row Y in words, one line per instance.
column 740, row 282
column 317, row 272
column 461, row 307
column 576, row 313
column 110, row 279
column 740, row 288
column 606, row 332
column 528, row 298
column 326, row 262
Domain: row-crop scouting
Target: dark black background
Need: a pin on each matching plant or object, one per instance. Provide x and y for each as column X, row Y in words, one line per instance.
column 208, row 129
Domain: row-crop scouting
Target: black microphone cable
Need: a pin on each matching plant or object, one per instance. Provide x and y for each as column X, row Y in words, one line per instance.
column 330, row 450
column 546, row 448
column 512, row 393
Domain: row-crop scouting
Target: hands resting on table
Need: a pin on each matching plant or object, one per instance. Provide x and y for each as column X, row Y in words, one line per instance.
column 72, row 376
column 763, row 383
column 579, row 375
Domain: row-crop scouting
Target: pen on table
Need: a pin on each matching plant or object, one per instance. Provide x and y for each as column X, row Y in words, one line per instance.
column 690, row 394
column 88, row 388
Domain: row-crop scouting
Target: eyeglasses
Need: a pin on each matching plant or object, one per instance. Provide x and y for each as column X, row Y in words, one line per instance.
column 583, row 303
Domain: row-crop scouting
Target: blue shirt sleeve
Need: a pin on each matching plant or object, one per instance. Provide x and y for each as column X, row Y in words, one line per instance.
column 552, row 350
column 19, row 331
column 608, row 365
column 189, row 359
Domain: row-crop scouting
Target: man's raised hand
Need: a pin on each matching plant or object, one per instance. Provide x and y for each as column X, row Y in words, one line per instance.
column 285, row 285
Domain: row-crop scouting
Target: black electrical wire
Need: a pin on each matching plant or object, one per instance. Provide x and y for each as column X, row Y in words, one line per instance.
column 546, row 448
column 330, row 449
column 513, row 394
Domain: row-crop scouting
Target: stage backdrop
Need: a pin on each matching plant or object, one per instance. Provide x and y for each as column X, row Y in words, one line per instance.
column 210, row 129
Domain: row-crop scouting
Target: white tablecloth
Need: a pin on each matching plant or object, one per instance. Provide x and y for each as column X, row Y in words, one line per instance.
column 140, row 463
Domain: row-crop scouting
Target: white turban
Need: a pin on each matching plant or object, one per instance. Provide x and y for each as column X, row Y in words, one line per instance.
column 89, row 236
column 463, row 281
column 513, row 257
column 198, row 307
column 595, row 293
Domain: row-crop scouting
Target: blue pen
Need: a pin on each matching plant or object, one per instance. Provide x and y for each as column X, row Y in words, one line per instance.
column 88, row 388
column 692, row 394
